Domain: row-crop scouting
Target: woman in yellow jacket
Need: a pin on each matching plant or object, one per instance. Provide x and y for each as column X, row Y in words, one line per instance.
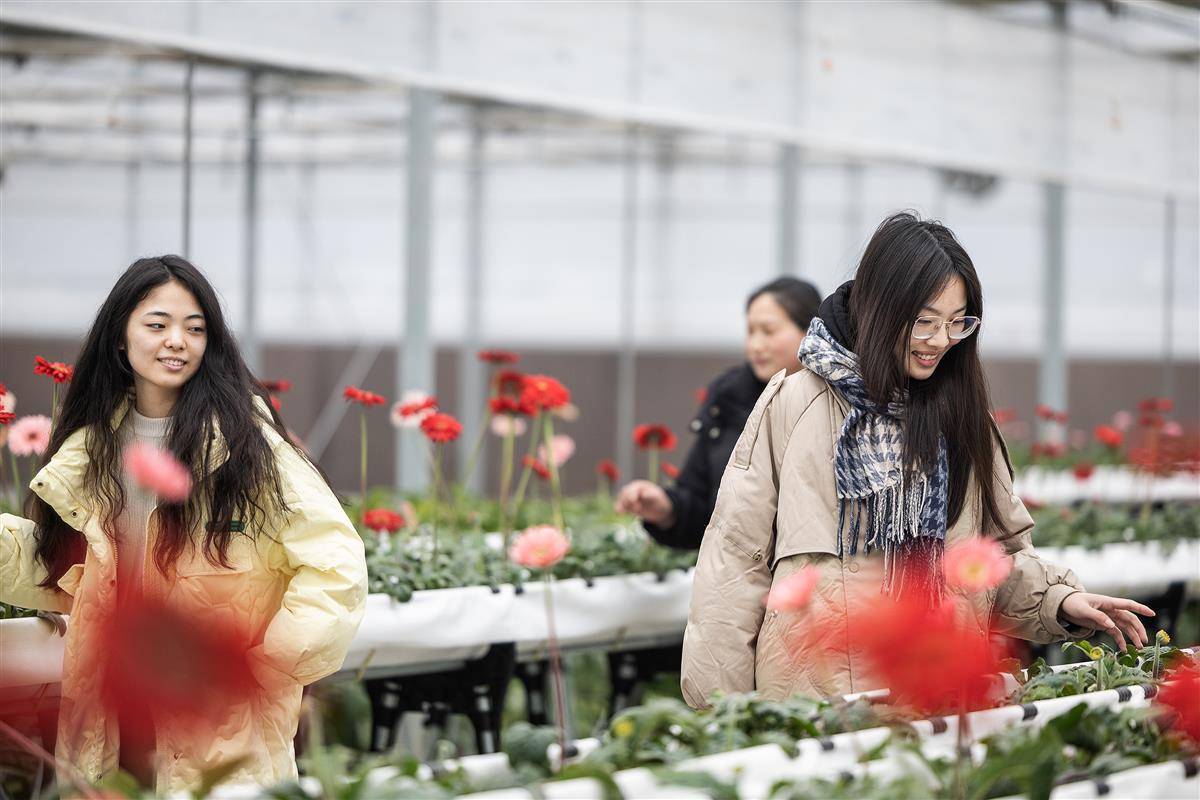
column 260, row 542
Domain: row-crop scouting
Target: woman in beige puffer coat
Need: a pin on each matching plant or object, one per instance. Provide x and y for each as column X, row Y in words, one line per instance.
column 866, row 464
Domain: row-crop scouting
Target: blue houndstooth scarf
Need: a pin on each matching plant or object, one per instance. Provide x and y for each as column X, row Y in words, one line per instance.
column 904, row 516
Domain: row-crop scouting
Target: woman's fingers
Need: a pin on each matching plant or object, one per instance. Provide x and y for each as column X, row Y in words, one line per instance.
column 1127, row 605
column 1132, row 626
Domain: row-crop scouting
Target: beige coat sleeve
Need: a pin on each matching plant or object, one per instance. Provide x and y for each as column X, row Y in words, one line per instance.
column 1027, row 603
column 21, row 572
column 733, row 573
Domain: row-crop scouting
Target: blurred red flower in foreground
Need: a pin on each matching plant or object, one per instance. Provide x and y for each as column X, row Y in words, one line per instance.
column 660, row 436
column 543, row 393
column 441, row 428
column 539, row 469
column 383, row 519
column 168, row 665
column 159, row 471
column 794, row 592
column 976, row 564
column 1180, row 694
column 363, row 397
column 609, row 470
column 929, row 659
column 277, row 387
column 539, row 547
column 1108, row 436
column 498, row 357
column 60, row 372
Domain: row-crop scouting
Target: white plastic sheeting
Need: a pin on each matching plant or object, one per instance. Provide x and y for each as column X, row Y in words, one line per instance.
column 1106, row 484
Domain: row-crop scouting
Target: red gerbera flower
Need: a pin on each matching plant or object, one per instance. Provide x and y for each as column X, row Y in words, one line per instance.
column 902, row 637
column 657, row 435
column 506, row 404
column 275, row 404
column 6, row 417
column 417, row 406
column 1044, row 411
column 190, row 666
column 539, row 469
column 670, row 470
column 3, row 390
column 277, row 387
column 543, row 393
column 609, row 470
column 1108, row 436
column 60, row 372
column 498, row 357
column 441, row 428
column 1180, row 694
column 1084, row 470
column 509, row 381
column 1061, row 418
column 701, row 395
column 383, row 519
column 363, row 397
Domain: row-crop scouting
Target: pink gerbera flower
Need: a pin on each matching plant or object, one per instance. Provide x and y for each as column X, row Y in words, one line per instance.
column 976, row 565
column 29, row 435
column 159, row 471
column 539, row 547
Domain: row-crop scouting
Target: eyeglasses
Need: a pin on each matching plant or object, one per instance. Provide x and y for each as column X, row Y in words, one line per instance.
column 957, row 328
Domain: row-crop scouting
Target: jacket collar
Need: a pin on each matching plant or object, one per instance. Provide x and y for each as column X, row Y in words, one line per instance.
column 61, row 481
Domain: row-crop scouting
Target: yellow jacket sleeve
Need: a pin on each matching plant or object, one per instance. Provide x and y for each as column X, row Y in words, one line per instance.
column 20, row 572
column 323, row 605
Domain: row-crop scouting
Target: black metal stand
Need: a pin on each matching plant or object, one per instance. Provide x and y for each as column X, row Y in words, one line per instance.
column 477, row 691
column 630, row 670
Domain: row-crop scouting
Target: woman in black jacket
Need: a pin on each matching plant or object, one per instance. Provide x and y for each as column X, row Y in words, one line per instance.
column 777, row 318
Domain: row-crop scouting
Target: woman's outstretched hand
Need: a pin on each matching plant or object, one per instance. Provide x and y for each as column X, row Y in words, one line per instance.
column 1115, row 616
column 646, row 500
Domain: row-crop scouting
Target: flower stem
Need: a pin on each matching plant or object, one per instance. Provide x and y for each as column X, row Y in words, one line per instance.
column 506, row 474
column 437, row 502
column 654, row 465
column 53, row 407
column 362, row 463
column 560, row 709
column 16, row 478
column 478, row 446
column 552, row 463
column 525, row 472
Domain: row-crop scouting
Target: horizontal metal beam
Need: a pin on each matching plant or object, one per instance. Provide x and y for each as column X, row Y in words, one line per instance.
column 208, row 51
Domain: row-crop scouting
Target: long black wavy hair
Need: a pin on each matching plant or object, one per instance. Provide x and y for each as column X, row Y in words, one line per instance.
column 907, row 262
column 220, row 395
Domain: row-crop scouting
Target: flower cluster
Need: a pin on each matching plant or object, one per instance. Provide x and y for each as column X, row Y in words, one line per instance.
column 363, row 397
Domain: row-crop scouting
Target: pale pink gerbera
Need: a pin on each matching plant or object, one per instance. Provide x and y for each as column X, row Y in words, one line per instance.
column 501, row 424
column 1172, row 429
column 8, row 400
column 29, row 436
column 1122, row 420
column 794, row 592
column 563, row 447
column 158, row 471
column 539, row 547
column 976, row 565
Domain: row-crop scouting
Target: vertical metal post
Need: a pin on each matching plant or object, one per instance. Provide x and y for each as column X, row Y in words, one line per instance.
column 1052, row 366
column 853, row 211
column 415, row 367
column 250, row 343
column 188, row 101
column 789, row 204
column 627, row 354
column 472, row 380
column 1168, row 312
